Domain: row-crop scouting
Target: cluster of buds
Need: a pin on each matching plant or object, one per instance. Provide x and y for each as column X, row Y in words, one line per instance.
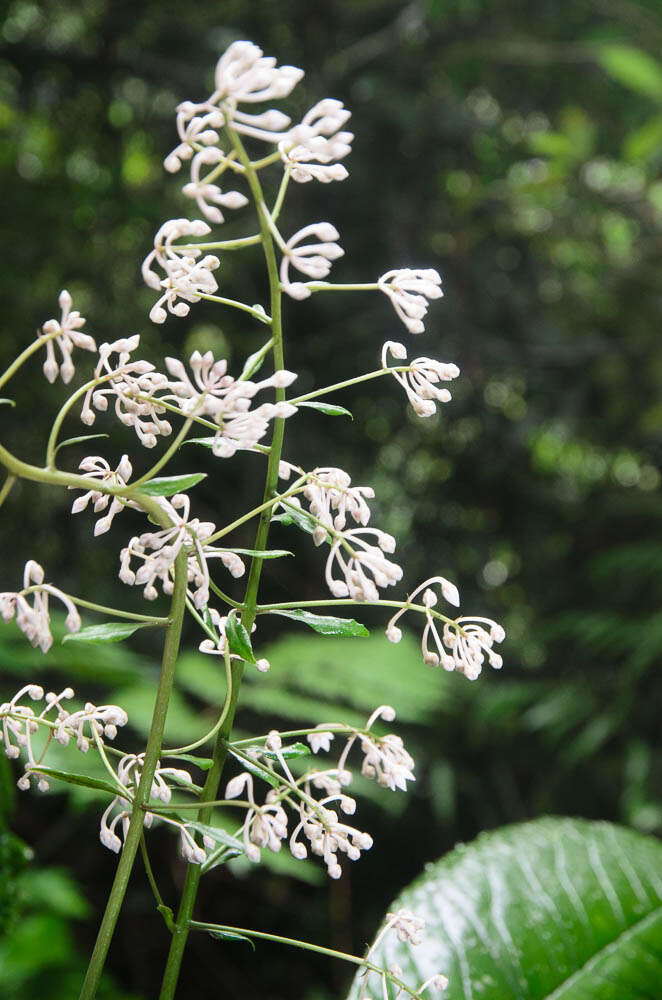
column 21, row 722
column 227, row 401
column 465, row 642
column 408, row 929
column 133, row 384
column 409, row 290
column 311, row 258
column 319, row 796
column 331, row 497
column 312, row 148
column 187, row 274
column 34, row 620
column 421, row 378
column 67, row 335
column 96, row 467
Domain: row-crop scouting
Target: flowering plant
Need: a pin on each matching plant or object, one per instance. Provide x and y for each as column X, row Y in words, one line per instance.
column 277, row 799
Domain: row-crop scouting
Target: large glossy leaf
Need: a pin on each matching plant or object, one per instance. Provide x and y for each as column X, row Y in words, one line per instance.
column 557, row 909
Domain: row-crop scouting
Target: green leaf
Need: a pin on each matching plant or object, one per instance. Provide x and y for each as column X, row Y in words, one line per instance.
column 239, row 639
column 83, row 780
column 557, row 909
column 325, row 624
column 79, row 440
column 632, row 67
column 293, row 750
column 262, row 317
column 206, row 442
column 302, row 519
column 253, row 364
column 204, row 763
column 261, row 553
column 259, row 772
column 167, row 486
column 108, row 632
column 7, row 402
column 331, row 409
column 230, row 936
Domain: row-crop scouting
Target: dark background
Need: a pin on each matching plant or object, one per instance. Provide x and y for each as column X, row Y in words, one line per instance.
column 516, row 147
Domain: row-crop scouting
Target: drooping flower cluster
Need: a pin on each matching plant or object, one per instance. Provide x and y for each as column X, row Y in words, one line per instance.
column 20, row 723
column 465, row 642
column 311, row 258
column 34, row 620
column 409, row 290
column 318, row 826
column 67, row 335
column 187, row 273
column 420, row 381
column 310, row 148
column 96, row 467
column 408, row 928
column 330, row 489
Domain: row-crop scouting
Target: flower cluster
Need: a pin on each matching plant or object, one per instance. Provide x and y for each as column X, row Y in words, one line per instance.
column 311, row 258
column 96, row 467
column 318, row 826
column 408, row 928
column 409, row 290
column 187, row 273
column 133, row 384
column 310, row 149
column 465, row 642
column 421, row 378
column 20, row 723
column 67, row 335
column 34, row 620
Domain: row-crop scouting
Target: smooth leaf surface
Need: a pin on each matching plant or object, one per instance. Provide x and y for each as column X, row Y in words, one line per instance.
column 330, row 409
column 167, row 486
column 556, row 909
column 325, row 624
column 83, row 780
column 261, row 553
column 288, row 752
column 239, row 639
column 634, row 68
column 302, row 519
column 108, row 632
column 78, row 440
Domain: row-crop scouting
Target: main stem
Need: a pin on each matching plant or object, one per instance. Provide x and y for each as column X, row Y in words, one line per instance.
column 152, row 751
column 210, row 790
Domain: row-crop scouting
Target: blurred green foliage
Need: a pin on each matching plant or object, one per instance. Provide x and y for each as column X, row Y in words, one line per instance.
column 516, row 146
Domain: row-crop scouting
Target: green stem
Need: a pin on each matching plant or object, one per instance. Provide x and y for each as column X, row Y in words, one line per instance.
column 167, row 455
column 257, row 313
column 210, row 790
column 329, row 286
column 347, row 382
column 102, row 609
column 7, row 487
column 266, row 505
column 308, row 946
column 152, row 751
column 238, row 244
column 24, row 355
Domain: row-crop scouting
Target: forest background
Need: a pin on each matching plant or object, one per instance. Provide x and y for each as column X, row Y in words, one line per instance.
column 514, row 145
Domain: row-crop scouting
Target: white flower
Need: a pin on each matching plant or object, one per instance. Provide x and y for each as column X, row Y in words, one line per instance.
column 197, row 126
column 385, row 758
column 67, row 336
column 186, row 276
column 330, row 489
column 34, row 621
column 408, row 927
column 313, row 259
column 100, row 719
column 244, row 74
column 364, row 566
column 320, row 740
column 419, row 382
column 96, row 467
column 409, row 289
column 317, row 140
column 204, row 192
column 464, row 643
column 133, row 384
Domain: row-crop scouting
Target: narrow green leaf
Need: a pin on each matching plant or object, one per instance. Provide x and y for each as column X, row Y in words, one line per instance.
column 167, row 486
column 98, row 784
column 253, row 364
column 301, row 518
column 7, row 402
column 108, row 632
column 261, row 553
column 292, row 751
column 325, row 624
column 206, row 442
column 204, row 763
column 255, row 769
column 79, row 440
column 330, row 409
column 556, row 909
column 231, row 936
column 239, row 639
column 217, row 834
